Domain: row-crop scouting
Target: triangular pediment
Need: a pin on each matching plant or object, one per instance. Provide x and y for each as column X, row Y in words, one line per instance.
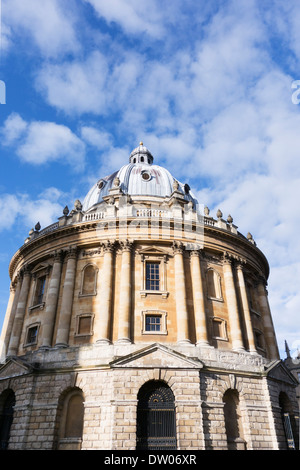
column 157, row 356
column 279, row 371
column 14, row 368
column 153, row 250
column 40, row 267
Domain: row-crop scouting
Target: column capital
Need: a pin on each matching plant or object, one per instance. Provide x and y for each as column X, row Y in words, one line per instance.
column 177, row 247
column 109, row 246
column 72, row 252
column 126, row 245
column 57, row 256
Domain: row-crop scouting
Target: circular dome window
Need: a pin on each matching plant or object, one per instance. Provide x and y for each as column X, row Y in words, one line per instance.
column 146, row 176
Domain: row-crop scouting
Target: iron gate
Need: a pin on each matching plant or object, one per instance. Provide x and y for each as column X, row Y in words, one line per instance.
column 156, row 424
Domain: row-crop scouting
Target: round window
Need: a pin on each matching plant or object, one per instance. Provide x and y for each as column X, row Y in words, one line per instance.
column 146, row 176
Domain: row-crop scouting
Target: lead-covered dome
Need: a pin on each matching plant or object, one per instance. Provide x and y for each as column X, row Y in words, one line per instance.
column 138, row 178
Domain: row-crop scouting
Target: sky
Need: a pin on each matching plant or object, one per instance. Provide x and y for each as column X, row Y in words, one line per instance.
column 212, row 89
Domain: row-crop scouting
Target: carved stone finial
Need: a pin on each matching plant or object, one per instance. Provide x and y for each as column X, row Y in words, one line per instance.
column 229, row 219
column 206, row 211
column 66, row 211
column 117, row 182
column 175, row 185
column 78, row 205
column 38, row 227
column 219, row 214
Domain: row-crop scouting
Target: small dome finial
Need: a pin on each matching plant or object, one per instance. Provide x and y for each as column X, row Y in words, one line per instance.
column 141, row 143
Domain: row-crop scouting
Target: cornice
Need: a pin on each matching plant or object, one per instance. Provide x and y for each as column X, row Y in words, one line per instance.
column 63, row 233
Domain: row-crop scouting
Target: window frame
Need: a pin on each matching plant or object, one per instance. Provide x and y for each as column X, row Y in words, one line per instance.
column 31, row 327
column 223, row 327
column 89, row 294
column 78, row 318
column 159, row 258
column 162, row 314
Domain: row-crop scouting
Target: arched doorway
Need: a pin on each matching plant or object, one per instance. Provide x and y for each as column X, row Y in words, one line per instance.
column 7, row 411
column 156, row 420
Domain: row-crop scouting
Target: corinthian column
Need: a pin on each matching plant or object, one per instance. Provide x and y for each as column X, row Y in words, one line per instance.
column 199, row 306
column 180, row 295
column 20, row 313
column 51, row 301
column 102, row 319
column 245, row 306
column 125, row 294
column 232, row 306
column 10, row 315
column 62, row 335
column 269, row 332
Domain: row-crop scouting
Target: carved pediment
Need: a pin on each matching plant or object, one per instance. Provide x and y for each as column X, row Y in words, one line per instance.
column 278, row 371
column 152, row 250
column 14, row 368
column 157, row 356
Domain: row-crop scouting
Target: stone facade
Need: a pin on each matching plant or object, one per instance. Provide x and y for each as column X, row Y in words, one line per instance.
column 134, row 301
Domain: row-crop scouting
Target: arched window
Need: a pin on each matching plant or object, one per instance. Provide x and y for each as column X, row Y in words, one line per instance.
column 289, row 423
column 156, row 421
column 89, row 280
column 233, row 421
column 7, row 403
column 70, row 420
column 213, row 284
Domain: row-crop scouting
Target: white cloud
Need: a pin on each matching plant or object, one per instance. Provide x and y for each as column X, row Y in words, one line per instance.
column 45, row 208
column 40, row 142
column 76, row 86
column 48, row 23
column 130, row 15
column 14, row 127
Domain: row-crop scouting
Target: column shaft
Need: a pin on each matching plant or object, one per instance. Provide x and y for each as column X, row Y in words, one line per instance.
column 125, row 295
column 20, row 313
column 198, row 297
column 269, row 332
column 102, row 320
column 246, row 311
column 180, row 296
column 9, row 317
column 62, row 335
column 51, row 302
column 232, row 306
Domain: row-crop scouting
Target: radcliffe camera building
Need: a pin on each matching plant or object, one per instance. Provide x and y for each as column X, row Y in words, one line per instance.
column 138, row 320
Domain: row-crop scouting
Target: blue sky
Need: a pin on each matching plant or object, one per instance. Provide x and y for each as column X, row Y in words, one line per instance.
column 207, row 86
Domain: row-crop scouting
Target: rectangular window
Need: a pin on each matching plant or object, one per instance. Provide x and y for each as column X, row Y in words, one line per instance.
column 84, row 325
column 153, row 323
column 40, row 289
column 32, row 335
column 152, row 276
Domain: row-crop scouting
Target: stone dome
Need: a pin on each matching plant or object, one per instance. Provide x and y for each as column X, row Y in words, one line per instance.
column 140, row 177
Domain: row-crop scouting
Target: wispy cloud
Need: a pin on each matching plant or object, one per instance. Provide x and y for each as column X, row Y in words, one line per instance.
column 40, row 142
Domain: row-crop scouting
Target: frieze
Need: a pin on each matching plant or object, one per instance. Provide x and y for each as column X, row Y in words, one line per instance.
column 84, row 253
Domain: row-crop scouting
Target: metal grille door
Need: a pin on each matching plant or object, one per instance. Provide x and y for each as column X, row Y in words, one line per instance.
column 156, row 425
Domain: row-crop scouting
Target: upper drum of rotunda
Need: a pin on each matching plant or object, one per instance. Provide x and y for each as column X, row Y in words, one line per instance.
column 140, row 177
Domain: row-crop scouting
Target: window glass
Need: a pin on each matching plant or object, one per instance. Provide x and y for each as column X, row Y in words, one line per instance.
column 152, row 276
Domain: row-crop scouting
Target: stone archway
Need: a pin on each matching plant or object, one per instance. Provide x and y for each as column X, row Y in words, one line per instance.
column 156, row 421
